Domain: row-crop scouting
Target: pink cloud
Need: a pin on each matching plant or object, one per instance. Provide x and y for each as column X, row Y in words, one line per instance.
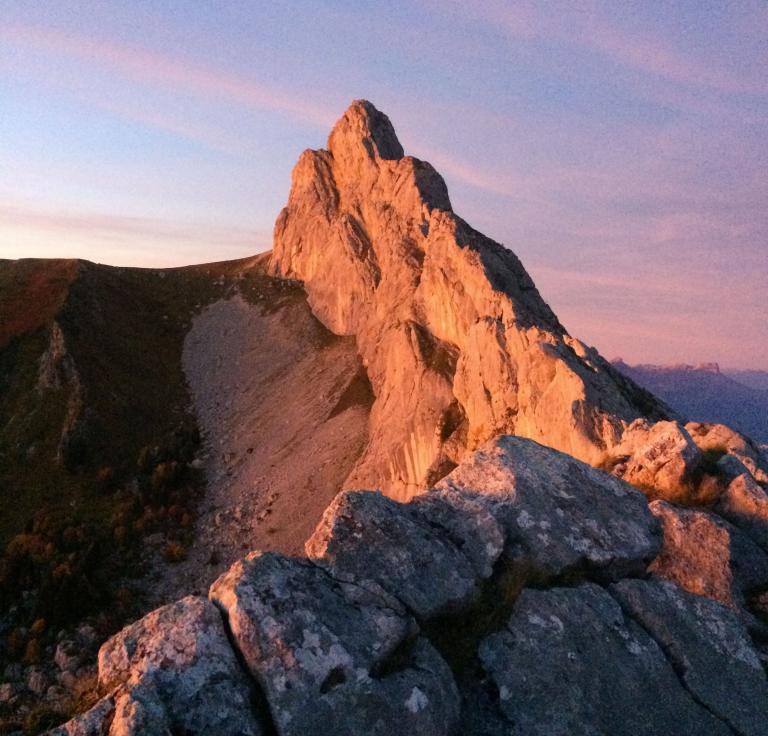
column 583, row 27
column 92, row 231
column 182, row 127
column 151, row 67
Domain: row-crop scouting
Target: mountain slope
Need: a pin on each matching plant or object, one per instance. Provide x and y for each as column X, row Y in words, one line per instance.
column 108, row 378
column 704, row 394
column 750, row 378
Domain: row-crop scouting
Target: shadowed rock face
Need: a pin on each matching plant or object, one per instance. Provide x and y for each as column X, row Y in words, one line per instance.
column 569, row 662
column 443, row 616
column 458, row 343
column 708, row 647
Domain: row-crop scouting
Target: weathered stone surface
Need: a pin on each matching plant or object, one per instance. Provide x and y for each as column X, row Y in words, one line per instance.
column 720, row 438
column 707, row 556
column 8, row 691
column 37, row 680
column 94, row 722
column 708, row 646
column 409, row 549
column 745, row 504
column 560, row 515
column 466, row 520
column 333, row 657
column 175, row 668
column 458, row 344
column 568, row 663
column 661, row 459
column 68, row 656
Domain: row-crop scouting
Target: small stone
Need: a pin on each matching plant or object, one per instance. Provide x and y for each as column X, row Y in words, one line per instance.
column 8, row 691
column 68, row 656
column 36, row 680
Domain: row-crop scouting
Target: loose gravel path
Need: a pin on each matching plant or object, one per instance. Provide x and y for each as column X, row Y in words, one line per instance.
column 282, row 405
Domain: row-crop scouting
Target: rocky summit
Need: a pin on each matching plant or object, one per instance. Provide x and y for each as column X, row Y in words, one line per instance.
column 458, row 344
column 364, row 484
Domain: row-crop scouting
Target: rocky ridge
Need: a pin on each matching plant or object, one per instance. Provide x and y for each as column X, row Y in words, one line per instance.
column 520, row 567
column 501, row 601
column 458, row 344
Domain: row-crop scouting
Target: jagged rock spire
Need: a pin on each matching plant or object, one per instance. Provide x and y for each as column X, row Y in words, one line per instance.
column 363, row 125
column 458, row 343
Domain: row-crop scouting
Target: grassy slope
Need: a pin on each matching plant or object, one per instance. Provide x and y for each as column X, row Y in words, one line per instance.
column 72, row 534
column 124, row 329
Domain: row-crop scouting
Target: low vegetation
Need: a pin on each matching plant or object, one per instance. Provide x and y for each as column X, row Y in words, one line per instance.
column 96, row 455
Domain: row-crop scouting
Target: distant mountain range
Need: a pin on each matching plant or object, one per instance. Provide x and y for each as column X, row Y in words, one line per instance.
column 753, row 379
column 704, row 393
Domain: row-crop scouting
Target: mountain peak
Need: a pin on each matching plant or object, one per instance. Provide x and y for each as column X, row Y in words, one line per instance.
column 362, row 125
column 457, row 342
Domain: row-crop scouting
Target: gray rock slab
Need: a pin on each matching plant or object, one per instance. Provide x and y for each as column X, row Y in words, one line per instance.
column 568, row 663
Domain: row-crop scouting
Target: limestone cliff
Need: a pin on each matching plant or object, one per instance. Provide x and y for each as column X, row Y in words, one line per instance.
column 458, row 343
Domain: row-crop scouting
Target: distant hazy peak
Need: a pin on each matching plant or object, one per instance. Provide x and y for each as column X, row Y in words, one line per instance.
column 711, row 367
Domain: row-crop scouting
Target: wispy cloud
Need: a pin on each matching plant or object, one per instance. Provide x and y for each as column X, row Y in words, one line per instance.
column 180, row 75
column 584, row 27
column 176, row 124
column 27, row 231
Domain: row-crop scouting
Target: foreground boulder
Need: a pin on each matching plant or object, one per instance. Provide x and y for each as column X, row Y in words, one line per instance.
column 357, row 639
column 568, row 663
column 429, row 553
column 709, row 648
column 708, row 556
column 172, row 671
column 560, row 516
column 333, row 657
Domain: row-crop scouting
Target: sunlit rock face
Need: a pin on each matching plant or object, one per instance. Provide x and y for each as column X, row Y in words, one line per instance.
column 706, row 555
column 458, row 344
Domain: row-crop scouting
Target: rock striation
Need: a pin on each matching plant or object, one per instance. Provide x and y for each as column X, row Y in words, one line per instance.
column 513, row 597
column 458, row 343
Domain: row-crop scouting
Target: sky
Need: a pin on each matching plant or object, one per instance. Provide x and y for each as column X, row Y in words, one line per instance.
column 620, row 149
